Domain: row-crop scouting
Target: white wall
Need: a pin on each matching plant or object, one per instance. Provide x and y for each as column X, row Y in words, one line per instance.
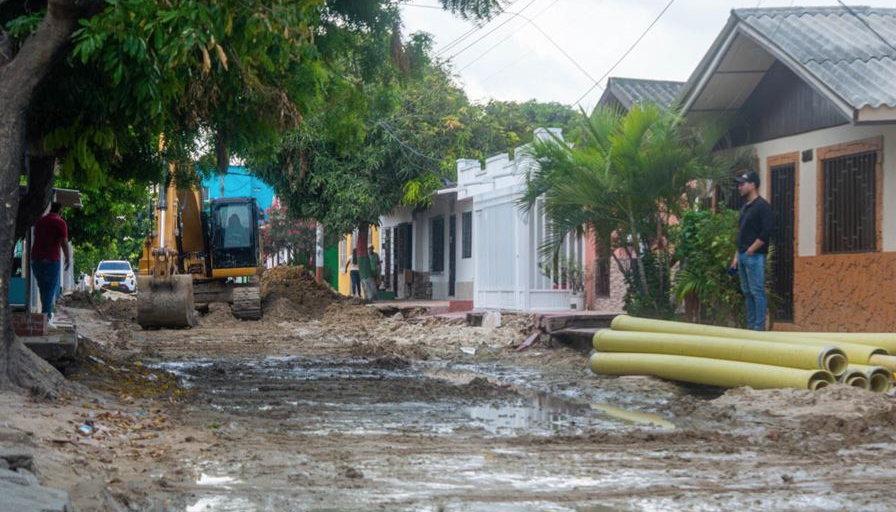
column 808, row 220
column 503, row 270
column 507, row 239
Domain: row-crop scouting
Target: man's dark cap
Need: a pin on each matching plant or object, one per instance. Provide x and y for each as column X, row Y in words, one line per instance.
column 749, row 176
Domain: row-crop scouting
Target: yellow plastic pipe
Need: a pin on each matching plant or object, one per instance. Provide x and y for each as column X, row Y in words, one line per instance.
column 888, row 362
column 855, row 378
column 711, row 372
column 806, row 357
column 878, row 376
column 855, row 352
column 886, row 341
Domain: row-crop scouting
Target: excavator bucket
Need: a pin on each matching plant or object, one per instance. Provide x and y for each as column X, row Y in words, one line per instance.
column 165, row 302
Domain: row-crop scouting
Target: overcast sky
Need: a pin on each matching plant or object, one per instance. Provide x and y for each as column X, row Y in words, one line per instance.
column 595, row 34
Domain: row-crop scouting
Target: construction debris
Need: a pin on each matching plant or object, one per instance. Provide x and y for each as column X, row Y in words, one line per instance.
column 291, row 293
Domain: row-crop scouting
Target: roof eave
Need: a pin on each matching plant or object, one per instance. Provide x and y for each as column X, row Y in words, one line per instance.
column 882, row 114
column 694, row 85
column 713, row 58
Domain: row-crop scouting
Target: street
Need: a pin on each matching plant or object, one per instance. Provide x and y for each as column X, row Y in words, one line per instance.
column 355, row 411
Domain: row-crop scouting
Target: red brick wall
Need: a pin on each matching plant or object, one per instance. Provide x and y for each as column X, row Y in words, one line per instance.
column 29, row 324
column 614, row 302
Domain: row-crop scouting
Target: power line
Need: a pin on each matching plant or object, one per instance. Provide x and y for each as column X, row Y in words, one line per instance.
column 627, row 52
column 465, row 35
column 483, row 36
column 516, row 61
column 867, row 25
column 459, row 39
column 492, row 47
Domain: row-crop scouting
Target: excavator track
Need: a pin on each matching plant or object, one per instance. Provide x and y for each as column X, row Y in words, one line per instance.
column 246, row 302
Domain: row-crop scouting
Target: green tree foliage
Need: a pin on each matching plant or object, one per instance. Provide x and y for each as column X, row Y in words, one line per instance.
column 704, row 242
column 107, row 227
column 625, row 179
column 501, row 126
column 113, row 88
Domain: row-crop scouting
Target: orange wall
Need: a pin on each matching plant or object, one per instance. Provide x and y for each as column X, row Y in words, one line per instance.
column 844, row 292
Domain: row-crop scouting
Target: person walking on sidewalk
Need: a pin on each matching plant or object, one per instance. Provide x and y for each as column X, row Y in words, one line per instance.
column 756, row 223
column 50, row 236
column 351, row 266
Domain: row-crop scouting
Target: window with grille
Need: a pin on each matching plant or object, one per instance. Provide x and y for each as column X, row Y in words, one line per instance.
column 437, row 245
column 849, row 207
column 467, row 235
column 602, row 278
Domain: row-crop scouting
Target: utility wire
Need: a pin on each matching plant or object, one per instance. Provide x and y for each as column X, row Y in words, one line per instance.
column 492, row 47
column 385, row 126
column 867, row 25
column 459, row 39
column 483, row 36
column 624, row 55
column 467, row 34
column 522, row 56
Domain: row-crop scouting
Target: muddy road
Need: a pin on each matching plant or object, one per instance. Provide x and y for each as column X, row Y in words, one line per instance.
column 355, row 411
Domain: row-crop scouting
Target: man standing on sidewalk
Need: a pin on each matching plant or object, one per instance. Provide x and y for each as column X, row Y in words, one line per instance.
column 757, row 221
column 50, row 235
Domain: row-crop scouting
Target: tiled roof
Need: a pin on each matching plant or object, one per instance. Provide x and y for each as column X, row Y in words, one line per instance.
column 856, row 62
column 633, row 90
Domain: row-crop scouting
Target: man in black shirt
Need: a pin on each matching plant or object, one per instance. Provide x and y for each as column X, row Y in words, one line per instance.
column 757, row 221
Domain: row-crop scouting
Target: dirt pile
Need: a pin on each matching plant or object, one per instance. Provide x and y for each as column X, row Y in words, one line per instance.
column 373, row 335
column 218, row 314
column 852, row 414
column 78, row 299
column 122, row 310
column 352, row 317
column 844, row 402
column 291, row 292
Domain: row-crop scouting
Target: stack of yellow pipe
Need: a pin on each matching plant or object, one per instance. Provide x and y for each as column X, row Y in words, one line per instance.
column 728, row 357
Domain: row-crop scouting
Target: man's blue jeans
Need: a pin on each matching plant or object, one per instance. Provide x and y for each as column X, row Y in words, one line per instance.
column 752, row 282
column 46, row 273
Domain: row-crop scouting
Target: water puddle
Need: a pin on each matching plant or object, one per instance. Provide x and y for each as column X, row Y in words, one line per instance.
column 635, row 417
column 543, row 413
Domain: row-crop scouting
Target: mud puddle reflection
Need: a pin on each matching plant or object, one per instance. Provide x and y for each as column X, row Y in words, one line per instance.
column 362, row 397
column 447, row 427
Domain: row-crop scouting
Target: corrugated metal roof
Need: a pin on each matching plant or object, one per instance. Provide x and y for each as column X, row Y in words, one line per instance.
column 835, row 46
column 633, row 90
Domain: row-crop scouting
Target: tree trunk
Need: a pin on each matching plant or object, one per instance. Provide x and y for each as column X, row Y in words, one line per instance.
column 19, row 76
column 33, row 204
column 636, row 239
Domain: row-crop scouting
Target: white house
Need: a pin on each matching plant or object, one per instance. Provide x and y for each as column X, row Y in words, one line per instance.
column 476, row 244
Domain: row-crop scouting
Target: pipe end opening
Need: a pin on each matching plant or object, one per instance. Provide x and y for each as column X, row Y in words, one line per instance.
column 879, row 383
column 836, row 364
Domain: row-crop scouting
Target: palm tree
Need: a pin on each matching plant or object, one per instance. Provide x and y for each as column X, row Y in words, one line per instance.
column 624, row 180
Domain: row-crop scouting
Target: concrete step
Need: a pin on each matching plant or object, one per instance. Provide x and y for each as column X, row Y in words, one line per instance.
column 579, row 338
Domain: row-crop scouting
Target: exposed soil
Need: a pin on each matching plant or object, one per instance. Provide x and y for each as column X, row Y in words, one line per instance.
column 341, row 408
column 304, row 296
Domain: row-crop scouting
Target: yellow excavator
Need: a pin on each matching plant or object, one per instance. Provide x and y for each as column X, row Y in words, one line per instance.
column 198, row 252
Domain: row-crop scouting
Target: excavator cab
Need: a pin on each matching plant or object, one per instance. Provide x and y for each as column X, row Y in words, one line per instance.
column 234, row 237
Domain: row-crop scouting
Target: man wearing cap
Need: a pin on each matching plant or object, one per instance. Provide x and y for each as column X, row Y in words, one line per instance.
column 757, row 221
